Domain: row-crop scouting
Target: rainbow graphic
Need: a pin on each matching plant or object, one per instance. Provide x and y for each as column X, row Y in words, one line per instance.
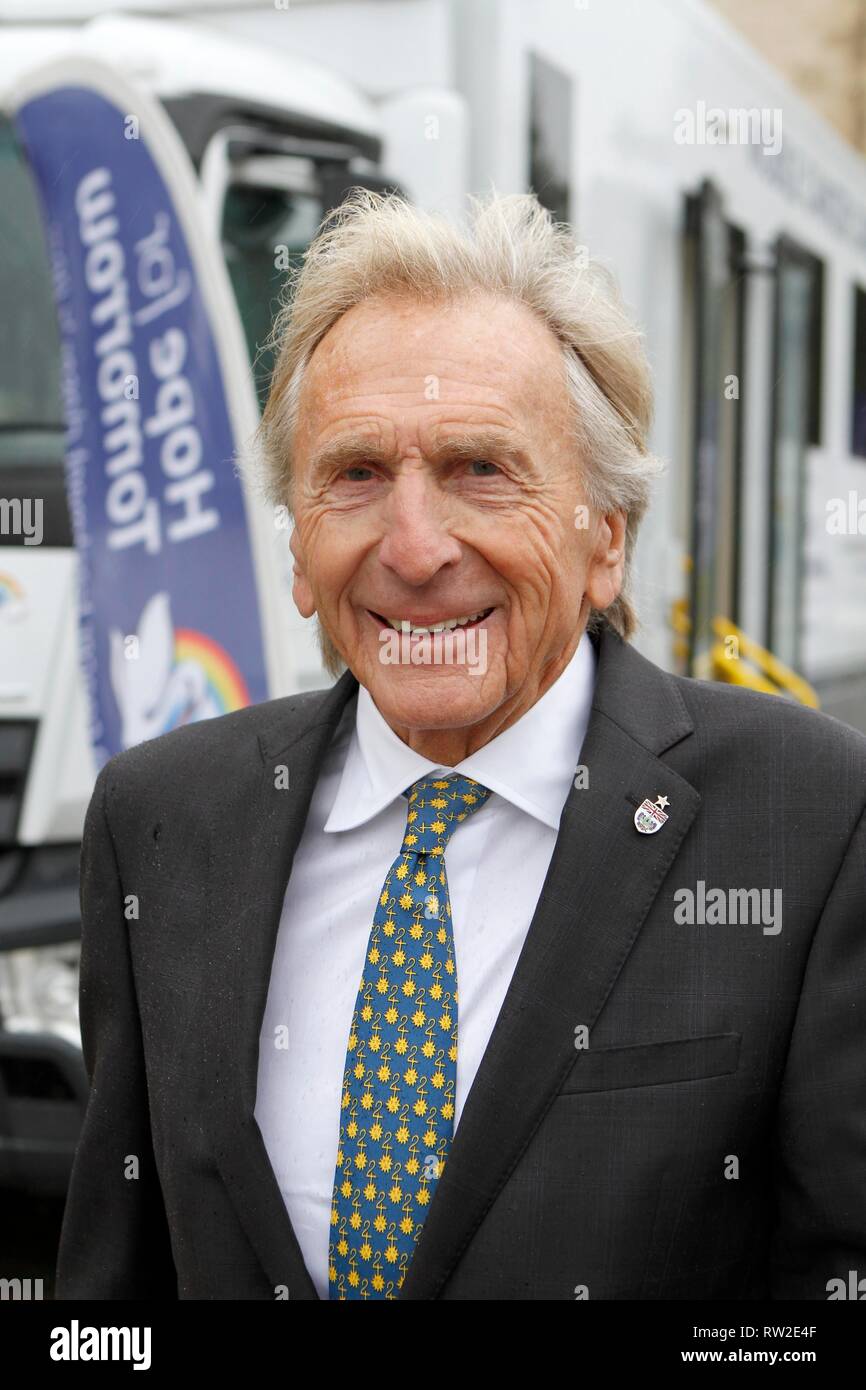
column 183, row 676
column 11, row 593
column 226, row 687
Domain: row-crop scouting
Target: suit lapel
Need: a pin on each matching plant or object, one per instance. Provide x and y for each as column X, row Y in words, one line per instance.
column 601, row 883
column 255, row 830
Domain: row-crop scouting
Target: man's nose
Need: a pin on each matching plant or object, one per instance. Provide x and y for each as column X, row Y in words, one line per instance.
column 417, row 540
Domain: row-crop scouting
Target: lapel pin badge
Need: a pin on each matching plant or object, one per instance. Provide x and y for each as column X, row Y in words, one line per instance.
column 650, row 815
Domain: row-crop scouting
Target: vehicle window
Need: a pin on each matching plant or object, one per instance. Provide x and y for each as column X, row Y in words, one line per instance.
column 265, row 231
column 550, row 129
column 858, row 392
column 31, row 411
column 29, row 344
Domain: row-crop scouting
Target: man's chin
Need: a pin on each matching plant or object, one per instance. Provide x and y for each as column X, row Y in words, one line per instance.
column 452, row 681
column 417, row 712
column 414, row 697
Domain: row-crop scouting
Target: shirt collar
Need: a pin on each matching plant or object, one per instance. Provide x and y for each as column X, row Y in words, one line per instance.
column 531, row 764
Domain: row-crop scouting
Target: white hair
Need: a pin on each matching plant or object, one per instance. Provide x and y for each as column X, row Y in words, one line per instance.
column 376, row 244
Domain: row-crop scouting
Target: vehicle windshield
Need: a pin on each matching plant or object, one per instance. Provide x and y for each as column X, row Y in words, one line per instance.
column 265, row 231
column 31, row 414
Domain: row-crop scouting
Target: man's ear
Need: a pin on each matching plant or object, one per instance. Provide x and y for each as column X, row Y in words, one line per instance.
column 301, row 590
column 607, row 562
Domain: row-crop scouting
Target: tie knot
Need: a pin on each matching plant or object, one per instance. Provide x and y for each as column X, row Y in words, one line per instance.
column 437, row 805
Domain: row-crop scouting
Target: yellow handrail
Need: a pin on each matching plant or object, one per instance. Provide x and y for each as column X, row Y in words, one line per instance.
column 733, row 649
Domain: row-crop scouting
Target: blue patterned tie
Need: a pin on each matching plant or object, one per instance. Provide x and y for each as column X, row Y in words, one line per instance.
column 397, row 1116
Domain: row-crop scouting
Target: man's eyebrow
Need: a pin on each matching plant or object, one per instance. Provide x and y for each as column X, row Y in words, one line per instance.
column 476, row 443
column 345, row 451
column 464, row 444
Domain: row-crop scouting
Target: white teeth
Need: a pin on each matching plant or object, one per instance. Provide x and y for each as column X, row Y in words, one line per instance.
column 404, row 625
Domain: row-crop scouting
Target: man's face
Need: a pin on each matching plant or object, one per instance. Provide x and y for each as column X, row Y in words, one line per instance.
column 435, row 479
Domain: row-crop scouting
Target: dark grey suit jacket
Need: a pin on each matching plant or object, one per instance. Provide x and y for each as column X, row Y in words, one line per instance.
column 709, row 1142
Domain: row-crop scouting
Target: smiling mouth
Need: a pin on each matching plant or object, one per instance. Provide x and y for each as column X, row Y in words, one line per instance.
column 463, row 622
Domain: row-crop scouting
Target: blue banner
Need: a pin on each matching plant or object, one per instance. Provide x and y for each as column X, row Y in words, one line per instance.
column 170, row 624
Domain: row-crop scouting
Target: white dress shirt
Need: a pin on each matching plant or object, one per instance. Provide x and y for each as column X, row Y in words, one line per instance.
column 495, row 863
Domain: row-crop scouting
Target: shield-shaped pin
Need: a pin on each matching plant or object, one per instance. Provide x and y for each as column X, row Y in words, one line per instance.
column 650, row 816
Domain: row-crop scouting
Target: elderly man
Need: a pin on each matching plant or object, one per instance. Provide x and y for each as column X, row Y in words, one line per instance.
column 510, row 966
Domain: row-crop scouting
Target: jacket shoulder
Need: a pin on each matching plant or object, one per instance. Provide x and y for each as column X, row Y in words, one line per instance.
column 186, row 749
column 747, row 716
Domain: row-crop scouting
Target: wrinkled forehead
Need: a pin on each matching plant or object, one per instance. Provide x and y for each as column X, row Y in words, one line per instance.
column 404, row 352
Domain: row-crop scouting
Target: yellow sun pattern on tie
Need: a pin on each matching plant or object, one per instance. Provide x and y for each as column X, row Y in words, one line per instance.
column 397, row 1108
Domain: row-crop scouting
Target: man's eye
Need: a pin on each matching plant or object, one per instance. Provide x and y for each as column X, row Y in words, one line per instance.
column 481, row 465
column 358, row 468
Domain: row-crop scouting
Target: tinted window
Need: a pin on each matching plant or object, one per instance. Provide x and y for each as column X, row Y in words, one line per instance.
column 29, row 344
column 265, row 232
column 858, row 397
column 31, row 415
column 550, row 122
